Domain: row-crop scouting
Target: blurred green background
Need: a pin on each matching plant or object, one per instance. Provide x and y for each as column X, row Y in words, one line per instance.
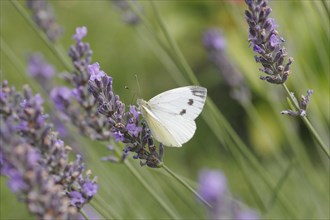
column 124, row 51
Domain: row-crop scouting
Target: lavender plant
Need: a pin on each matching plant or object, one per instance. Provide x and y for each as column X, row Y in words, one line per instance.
column 102, row 115
column 36, row 162
column 265, row 40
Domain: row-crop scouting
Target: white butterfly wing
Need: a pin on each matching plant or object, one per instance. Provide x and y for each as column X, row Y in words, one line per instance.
column 171, row 114
column 158, row 129
column 186, row 101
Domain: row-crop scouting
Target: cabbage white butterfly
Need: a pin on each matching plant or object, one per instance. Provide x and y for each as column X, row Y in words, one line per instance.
column 171, row 114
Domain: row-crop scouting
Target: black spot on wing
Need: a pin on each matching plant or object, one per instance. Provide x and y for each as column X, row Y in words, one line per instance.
column 183, row 111
column 190, row 102
column 199, row 92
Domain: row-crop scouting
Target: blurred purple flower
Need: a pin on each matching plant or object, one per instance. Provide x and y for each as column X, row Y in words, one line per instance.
column 212, row 186
column 247, row 215
column 215, row 44
column 61, row 97
column 16, row 182
column 43, row 16
column 128, row 15
column 39, row 68
column 214, row 40
column 81, row 32
column 35, row 160
column 90, row 188
column 76, row 198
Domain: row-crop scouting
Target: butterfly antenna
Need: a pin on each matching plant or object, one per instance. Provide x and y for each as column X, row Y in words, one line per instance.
column 131, row 92
column 138, row 85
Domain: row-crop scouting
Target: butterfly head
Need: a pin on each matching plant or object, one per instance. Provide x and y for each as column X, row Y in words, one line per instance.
column 143, row 103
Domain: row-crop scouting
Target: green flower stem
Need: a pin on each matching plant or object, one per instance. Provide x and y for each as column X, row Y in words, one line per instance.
column 5, row 48
column 98, row 202
column 169, row 171
column 82, row 212
column 177, row 52
column 242, row 149
column 127, row 163
column 163, row 56
column 51, row 45
column 324, row 148
column 326, row 6
column 281, row 182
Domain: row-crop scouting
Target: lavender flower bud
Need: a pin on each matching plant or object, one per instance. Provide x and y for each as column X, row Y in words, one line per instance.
column 302, row 104
column 81, row 32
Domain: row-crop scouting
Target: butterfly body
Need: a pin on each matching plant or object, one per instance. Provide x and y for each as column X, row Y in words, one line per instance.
column 171, row 115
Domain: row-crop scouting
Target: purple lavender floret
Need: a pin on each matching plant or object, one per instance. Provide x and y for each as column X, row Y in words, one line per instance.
column 35, row 161
column 76, row 198
column 81, row 32
column 264, row 39
column 90, row 188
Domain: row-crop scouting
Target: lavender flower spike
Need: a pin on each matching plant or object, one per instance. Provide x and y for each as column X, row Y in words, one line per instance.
column 124, row 126
column 128, row 15
column 264, row 39
column 44, row 17
column 40, row 70
column 215, row 44
column 36, row 162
